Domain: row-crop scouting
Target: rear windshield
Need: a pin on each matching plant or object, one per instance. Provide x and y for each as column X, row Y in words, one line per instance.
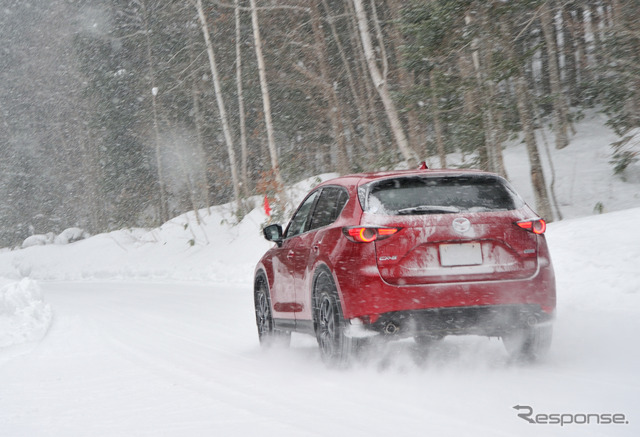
column 438, row 195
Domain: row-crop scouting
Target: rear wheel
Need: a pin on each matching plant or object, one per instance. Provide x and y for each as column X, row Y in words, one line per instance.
column 335, row 346
column 530, row 343
column 267, row 334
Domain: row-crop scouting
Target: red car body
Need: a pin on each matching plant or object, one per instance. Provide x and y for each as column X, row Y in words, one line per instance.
column 478, row 264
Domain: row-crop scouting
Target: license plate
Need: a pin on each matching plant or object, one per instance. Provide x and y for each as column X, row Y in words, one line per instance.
column 463, row 254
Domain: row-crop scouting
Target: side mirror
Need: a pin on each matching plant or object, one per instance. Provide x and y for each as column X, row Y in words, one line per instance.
column 273, row 233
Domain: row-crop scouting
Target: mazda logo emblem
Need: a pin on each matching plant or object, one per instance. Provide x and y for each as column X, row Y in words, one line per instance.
column 461, row 225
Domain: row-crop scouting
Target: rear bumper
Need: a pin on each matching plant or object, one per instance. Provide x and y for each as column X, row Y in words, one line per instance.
column 493, row 321
column 368, row 297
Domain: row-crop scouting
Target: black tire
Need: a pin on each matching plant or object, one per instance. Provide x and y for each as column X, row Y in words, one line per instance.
column 336, row 347
column 267, row 334
column 530, row 343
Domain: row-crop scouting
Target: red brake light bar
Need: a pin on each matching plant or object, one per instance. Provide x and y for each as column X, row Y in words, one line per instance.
column 537, row 226
column 367, row 234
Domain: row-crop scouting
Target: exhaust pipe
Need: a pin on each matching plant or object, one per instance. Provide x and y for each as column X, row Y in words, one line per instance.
column 391, row 328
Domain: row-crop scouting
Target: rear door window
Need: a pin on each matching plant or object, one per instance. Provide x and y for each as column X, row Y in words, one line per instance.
column 438, row 195
column 329, row 207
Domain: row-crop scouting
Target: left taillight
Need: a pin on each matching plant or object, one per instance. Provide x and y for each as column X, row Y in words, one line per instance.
column 537, row 226
column 367, row 234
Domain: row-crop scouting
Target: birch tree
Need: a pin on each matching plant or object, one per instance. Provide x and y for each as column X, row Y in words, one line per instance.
column 416, row 133
column 241, row 114
column 264, row 87
column 359, row 101
column 382, row 87
column 226, row 129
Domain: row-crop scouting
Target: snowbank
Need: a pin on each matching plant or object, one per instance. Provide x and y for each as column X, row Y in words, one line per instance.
column 180, row 249
column 38, row 240
column 67, row 236
column 71, row 235
column 207, row 248
column 24, row 315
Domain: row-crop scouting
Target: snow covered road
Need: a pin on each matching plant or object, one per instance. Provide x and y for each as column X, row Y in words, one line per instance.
column 178, row 359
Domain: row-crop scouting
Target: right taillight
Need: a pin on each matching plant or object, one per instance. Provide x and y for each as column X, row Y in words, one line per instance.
column 367, row 234
column 537, row 226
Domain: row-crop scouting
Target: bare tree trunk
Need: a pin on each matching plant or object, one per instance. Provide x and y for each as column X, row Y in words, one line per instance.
column 552, row 184
column 596, row 21
column 568, row 49
column 371, row 121
column 560, row 111
column 578, row 31
column 472, row 98
column 220, row 101
column 486, row 91
column 380, row 83
column 203, row 187
column 361, row 107
column 164, row 208
column 244, row 153
column 334, row 110
column 266, row 100
column 415, row 134
column 203, row 183
column 545, row 77
column 584, row 51
column 543, row 205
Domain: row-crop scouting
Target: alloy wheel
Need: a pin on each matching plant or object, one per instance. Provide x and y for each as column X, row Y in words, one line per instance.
column 327, row 327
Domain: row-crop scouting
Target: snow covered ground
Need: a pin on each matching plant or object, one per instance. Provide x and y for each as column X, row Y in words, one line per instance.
column 152, row 333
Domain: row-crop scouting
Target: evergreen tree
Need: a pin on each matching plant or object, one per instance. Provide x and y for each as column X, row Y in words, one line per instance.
column 617, row 84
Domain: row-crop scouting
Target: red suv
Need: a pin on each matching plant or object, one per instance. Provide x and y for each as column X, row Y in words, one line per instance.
column 418, row 253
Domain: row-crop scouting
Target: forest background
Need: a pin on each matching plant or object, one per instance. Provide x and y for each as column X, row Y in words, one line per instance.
column 125, row 113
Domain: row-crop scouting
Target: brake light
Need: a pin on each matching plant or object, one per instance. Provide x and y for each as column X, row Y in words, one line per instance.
column 367, row 234
column 537, row 226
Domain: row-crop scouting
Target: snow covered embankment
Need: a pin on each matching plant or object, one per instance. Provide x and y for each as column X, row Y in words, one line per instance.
column 24, row 315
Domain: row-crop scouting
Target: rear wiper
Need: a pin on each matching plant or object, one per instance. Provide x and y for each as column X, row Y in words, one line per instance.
column 429, row 209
